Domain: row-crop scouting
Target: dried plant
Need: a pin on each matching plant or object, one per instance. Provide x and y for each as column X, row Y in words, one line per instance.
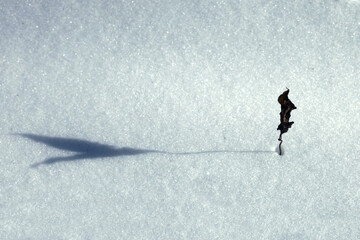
column 286, row 107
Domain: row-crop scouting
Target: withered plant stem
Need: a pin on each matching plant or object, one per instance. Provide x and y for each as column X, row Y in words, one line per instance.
column 280, row 139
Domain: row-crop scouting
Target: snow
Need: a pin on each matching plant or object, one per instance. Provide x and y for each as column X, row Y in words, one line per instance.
column 157, row 119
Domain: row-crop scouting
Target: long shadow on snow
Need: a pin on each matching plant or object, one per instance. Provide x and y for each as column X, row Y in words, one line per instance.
column 89, row 150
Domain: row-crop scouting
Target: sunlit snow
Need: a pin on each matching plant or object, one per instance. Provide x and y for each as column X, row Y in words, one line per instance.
column 157, row 119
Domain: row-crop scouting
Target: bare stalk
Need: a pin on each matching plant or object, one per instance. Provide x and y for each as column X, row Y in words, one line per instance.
column 280, row 139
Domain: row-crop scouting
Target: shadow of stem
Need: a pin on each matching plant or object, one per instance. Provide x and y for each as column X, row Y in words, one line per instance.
column 90, row 150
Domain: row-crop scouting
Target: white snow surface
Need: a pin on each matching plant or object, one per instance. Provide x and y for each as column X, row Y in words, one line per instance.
column 157, row 119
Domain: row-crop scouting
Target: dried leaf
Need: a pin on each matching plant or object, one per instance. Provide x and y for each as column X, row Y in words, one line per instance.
column 286, row 107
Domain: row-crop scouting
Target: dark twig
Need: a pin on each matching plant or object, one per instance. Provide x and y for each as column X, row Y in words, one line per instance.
column 280, row 139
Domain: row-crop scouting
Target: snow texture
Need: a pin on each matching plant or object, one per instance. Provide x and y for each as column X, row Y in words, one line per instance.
column 157, row 119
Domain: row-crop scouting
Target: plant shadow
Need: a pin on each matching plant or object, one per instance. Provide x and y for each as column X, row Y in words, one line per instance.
column 84, row 149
